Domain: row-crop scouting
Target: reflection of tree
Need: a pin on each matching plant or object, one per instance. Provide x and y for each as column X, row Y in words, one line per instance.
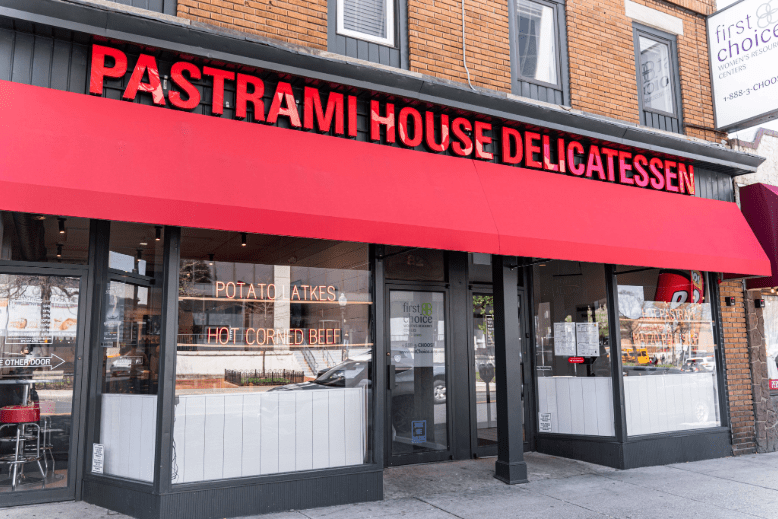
column 192, row 273
column 15, row 287
column 483, row 306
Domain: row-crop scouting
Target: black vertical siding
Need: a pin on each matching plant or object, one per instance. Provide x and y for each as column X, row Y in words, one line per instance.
column 42, row 57
column 159, row 6
column 713, row 185
column 396, row 56
column 661, row 122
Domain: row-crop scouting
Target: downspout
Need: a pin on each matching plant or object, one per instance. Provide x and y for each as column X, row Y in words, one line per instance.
column 464, row 56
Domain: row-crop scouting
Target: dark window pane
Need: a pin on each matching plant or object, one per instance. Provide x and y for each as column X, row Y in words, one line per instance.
column 414, row 264
column 43, row 238
column 480, row 268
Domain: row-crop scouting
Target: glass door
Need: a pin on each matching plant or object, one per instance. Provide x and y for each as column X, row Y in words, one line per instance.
column 483, row 377
column 484, row 389
column 417, row 403
column 41, row 325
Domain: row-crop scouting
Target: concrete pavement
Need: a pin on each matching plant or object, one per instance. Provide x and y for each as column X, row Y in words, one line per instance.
column 730, row 488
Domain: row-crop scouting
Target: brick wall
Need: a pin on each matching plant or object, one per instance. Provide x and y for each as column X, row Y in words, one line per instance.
column 765, row 404
column 435, row 41
column 600, row 41
column 602, row 62
column 736, row 355
column 292, row 21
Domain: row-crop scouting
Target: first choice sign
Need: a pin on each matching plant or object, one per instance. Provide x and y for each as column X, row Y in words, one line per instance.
column 468, row 136
column 743, row 44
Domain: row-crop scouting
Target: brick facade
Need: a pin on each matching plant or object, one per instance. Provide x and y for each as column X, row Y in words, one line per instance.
column 291, row 21
column 602, row 62
column 600, row 46
column 765, row 404
column 435, row 41
column 738, row 363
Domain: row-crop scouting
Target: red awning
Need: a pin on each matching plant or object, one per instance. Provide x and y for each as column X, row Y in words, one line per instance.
column 760, row 207
column 76, row 155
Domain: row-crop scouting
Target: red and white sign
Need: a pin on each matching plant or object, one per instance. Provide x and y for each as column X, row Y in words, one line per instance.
column 774, row 384
column 464, row 135
column 576, row 360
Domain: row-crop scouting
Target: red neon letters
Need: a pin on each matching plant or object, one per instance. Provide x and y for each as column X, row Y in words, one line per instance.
column 336, row 113
column 99, row 69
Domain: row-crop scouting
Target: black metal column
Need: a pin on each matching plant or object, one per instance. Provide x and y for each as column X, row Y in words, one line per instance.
column 510, row 466
column 167, row 362
column 380, row 456
column 458, row 385
column 614, row 340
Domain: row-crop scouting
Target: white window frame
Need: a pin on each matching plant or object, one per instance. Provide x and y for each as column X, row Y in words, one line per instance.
column 390, row 29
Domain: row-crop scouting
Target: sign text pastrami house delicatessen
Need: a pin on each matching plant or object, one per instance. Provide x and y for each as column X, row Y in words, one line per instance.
column 271, row 99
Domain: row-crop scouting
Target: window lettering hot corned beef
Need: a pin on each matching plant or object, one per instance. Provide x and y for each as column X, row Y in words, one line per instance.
column 408, row 126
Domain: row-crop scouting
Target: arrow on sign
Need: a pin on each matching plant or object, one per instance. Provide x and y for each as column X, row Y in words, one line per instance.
column 18, row 361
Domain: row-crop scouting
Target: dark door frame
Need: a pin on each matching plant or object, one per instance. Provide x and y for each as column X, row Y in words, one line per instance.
column 426, row 457
column 76, row 451
column 527, row 365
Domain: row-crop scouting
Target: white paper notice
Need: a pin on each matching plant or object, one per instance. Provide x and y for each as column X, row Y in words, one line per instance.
column 564, row 339
column 417, row 324
column 588, row 339
column 98, row 458
column 544, row 422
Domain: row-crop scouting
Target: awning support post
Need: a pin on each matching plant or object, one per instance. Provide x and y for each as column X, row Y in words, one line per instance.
column 510, row 467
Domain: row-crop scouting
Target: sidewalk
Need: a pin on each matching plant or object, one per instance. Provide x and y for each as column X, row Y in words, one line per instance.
column 730, row 488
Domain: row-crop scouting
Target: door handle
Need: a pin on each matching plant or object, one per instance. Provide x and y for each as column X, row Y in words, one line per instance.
column 391, row 382
column 522, row 380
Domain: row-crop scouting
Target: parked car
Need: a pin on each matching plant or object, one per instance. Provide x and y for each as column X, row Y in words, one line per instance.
column 356, row 372
column 699, row 364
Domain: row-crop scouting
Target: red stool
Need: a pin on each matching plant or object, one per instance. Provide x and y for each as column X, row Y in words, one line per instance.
column 23, row 418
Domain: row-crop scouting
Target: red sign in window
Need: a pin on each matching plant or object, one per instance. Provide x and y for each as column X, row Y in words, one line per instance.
column 575, row 360
column 774, row 384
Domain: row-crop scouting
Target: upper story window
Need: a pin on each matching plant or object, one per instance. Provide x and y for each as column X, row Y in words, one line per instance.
column 656, row 75
column 369, row 20
column 539, row 64
column 659, row 91
column 538, row 48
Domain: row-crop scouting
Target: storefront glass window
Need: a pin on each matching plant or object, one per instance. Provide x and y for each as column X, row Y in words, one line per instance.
column 770, row 315
column 668, row 350
column 572, row 355
column 130, row 344
column 38, row 334
column 274, row 355
column 43, row 238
